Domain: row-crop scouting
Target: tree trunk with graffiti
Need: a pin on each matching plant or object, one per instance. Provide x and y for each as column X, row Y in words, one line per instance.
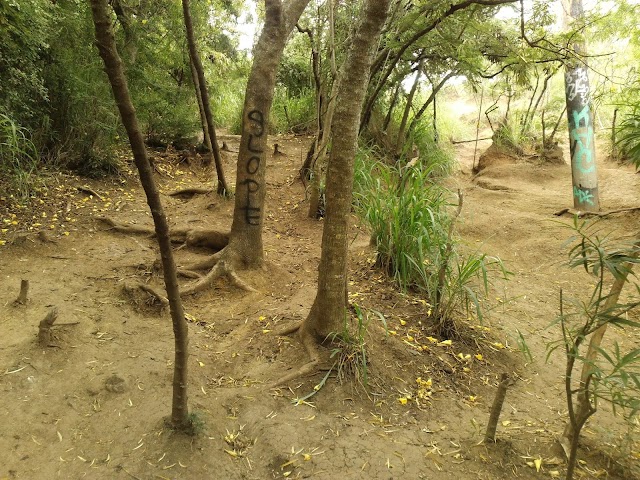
column 581, row 134
column 245, row 249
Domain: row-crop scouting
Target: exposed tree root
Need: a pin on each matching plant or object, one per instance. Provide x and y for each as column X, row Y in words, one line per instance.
column 89, row 191
column 190, row 192
column 212, row 239
column 130, row 288
column 188, row 273
column 207, row 263
column 581, row 214
column 310, row 346
column 220, row 269
column 122, row 228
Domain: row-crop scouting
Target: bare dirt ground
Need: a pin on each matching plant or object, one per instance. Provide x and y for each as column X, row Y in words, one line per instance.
column 92, row 404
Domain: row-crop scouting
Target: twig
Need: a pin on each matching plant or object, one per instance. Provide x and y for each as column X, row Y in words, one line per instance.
column 89, row 191
column 496, row 409
column 581, row 214
column 456, row 142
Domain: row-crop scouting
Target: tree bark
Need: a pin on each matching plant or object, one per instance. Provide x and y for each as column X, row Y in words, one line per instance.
column 581, row 134
column 245, row 245
column 329, row 308
column 106, row 44
column 124, row 18
column 223, row 188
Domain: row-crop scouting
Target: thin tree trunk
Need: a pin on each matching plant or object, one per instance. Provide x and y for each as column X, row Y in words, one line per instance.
column 436, row 135
column 105, row 41
column 206, row 139
column 329, row 308
column 401, row 139
column 245, row 244
column 614, row 147
column 394, row 99
column 525, row 120
column 124, row 18
column 533, row 109
column 326, row 120
column 434, row 91
column 223, row 188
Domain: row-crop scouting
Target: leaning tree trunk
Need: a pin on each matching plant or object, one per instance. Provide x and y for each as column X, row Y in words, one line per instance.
column 401, row 139
column 203, row 117
column 201, row 86
column 105, row 41
column 245, row 247
column 581, row 135
column 329, row 308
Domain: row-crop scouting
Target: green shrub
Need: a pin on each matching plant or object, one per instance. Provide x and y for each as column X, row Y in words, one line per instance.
column 295, row 114
column 628, row 136
column 18, row 159
column 408, row 212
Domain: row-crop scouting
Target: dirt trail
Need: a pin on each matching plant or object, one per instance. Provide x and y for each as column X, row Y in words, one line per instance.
column 92, row 406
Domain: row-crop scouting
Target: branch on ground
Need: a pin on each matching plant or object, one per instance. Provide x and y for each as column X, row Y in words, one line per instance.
column 212, row 239
column 580, row 214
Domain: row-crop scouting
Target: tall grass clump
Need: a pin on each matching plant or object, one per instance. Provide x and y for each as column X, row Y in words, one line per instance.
column 19, row 158
column 412, row 218
column 294, row 113
column 628, row 136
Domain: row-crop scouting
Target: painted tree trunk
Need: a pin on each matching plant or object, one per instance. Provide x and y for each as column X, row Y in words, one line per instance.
column 105, row 41
column 245, row 247
column 329, row 308
column 223, row 188
column 581, row 135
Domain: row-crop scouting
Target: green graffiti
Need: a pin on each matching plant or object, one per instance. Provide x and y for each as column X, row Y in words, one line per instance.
column 583, row 196
column 581, row 135
column 583, row 116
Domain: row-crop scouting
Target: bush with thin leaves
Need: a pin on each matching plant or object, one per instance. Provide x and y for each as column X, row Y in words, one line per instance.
column 628, row 136
column 408, row 212
column 293, row 113
column 18, row 158
column 596, row 372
